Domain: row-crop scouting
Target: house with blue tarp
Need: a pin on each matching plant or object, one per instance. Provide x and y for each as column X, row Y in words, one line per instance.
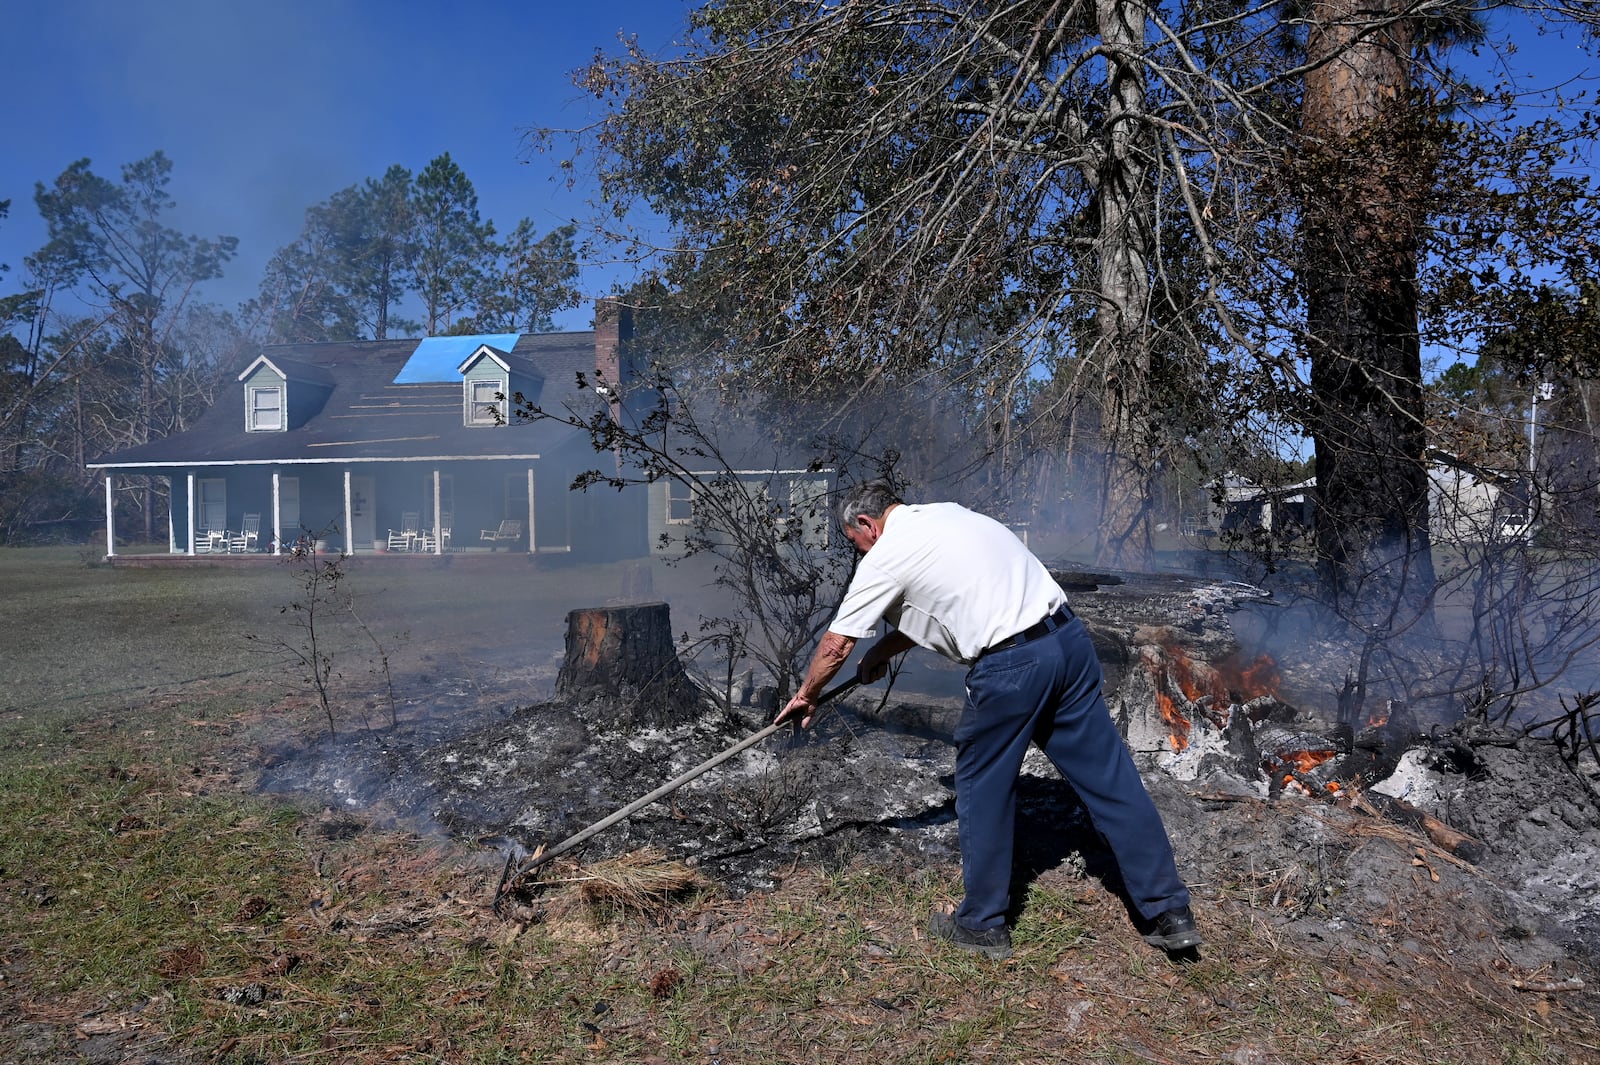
column 396, row 446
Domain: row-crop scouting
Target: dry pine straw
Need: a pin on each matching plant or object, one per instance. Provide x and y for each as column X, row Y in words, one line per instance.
column 1254, row 994
column 1105, row 992
column 835, row 964
column 644, row 880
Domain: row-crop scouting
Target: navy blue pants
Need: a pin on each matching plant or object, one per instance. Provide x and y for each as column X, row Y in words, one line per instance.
column 1049, row 691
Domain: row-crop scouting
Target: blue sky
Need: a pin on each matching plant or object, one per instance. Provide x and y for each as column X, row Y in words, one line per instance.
column 268, row 108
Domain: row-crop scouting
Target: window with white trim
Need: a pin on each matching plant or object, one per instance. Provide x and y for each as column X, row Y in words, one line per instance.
column 482, row 406
column 265, row 409
column 680, row 502
column 211, row 508
column 808, row 506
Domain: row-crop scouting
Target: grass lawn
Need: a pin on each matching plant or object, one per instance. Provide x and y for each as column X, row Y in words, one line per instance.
column 153, row 908
column 83, row 639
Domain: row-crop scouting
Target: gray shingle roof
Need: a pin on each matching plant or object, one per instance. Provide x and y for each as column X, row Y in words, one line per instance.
column 292, row 369
column 366, row 416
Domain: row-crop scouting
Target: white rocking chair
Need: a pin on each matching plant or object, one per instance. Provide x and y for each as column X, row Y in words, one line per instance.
column 244, row 541
column 509, row 532
column 405, row 537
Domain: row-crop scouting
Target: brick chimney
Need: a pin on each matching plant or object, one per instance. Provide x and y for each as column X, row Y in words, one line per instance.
column 613, row 335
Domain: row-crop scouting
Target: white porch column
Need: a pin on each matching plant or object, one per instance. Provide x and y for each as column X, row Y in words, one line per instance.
column 531, row 509
column 277, row 511
column 349, row 515
column 111, row 514
column 189, row 519
column 172, row 530
column 438, row 514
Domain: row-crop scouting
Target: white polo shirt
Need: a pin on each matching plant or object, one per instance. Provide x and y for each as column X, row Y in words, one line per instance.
column 952, row 580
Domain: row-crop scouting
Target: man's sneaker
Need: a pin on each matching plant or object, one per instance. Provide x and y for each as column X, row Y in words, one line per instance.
column 994, row 942
column 1174, row 930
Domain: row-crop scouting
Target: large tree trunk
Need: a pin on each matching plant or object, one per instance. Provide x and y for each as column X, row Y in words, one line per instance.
column 1122, row 319
column 380, row 330
column 147, row 402
column 1365, row 161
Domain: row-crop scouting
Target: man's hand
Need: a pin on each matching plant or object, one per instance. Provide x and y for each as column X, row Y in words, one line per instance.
column 871, row 670
column 875, row 663
column 798, row 707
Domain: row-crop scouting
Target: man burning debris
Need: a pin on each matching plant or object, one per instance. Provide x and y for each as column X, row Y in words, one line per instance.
column 961, row 584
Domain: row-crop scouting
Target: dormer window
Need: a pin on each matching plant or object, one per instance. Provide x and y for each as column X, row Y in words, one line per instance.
column 483, row 408
column 490, row 379
column 280, row 394
column 265, row 408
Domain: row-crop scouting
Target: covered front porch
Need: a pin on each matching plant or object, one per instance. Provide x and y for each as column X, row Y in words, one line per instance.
column 402, row 509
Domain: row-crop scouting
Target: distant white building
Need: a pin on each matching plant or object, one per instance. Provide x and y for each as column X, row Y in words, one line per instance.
column 1239, row 503
column 1470, row 504
column 1466, row 504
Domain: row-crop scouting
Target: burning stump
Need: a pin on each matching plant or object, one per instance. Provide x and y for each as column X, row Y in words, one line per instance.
column 1176, row 678
column 624, row 654
column 1194, row 705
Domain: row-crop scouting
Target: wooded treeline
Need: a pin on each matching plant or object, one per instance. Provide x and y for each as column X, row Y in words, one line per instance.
column 105, row 344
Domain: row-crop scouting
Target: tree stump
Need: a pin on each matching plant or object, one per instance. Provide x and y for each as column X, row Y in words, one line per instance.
column 624, row 654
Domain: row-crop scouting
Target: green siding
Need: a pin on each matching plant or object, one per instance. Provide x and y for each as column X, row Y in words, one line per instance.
column 263, row 375
column 484, row 369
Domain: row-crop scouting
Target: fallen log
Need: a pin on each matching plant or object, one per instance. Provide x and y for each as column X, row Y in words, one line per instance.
column 1443, row 836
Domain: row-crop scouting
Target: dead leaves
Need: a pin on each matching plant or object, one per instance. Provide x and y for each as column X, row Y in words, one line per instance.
column 664, row 983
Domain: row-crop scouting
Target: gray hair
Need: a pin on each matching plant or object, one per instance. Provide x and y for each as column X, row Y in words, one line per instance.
column 869, row 497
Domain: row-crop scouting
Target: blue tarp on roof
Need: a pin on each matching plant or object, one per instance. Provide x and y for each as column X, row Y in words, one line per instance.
column 437, row 358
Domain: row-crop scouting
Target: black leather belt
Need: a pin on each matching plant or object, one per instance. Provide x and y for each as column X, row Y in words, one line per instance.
column 1050, row 624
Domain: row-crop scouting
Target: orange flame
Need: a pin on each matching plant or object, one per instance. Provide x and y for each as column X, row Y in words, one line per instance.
column 1176, row 722
column 1181, row 668
column 1228, row 681
column 1260, row 677
column 1210, row 690
column 1291, row 783
column 1305, row 761
column 1298, row 762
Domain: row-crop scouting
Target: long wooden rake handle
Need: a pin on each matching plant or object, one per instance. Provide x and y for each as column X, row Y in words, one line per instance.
column 674, row 784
